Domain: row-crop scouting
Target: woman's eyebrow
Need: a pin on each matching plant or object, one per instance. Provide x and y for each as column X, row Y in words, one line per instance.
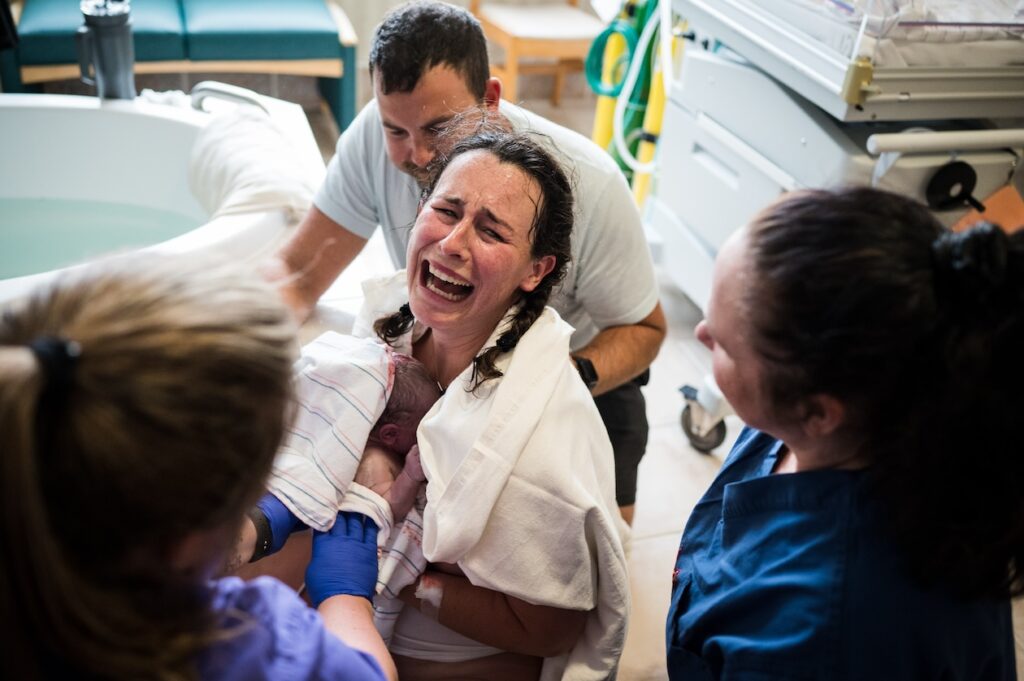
column 494, row 218
column 455, row 200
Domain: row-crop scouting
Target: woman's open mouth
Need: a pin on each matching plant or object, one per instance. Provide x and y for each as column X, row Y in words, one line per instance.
column 445, row 284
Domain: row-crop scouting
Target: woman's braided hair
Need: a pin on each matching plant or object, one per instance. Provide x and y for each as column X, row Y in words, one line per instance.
column 550, row 234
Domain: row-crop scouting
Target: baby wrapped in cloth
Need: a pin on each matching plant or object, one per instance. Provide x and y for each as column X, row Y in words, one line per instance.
column 344, row 385
column 520, row 491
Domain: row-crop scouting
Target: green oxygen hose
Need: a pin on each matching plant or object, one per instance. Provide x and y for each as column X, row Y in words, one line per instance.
column 595, row 57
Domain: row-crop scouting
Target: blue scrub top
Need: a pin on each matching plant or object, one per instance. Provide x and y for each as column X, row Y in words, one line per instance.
column 792, row 576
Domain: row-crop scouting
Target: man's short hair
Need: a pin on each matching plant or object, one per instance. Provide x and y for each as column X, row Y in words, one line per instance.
column 417, row 36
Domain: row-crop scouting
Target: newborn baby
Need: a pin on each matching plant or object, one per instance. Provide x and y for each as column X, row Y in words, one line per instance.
column 340, row 384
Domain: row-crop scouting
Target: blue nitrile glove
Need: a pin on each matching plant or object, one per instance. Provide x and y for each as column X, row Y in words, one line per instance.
column 282, row 521
column 344, row 559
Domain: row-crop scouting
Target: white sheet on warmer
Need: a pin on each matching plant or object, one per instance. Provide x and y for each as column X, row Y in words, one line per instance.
column 910, row 33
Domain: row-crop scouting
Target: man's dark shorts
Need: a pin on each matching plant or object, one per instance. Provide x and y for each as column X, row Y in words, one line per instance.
column 624, row 413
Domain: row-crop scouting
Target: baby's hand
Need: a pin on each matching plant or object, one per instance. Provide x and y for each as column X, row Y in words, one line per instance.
column 377, row 470
column 413, row 467
column 402, row 494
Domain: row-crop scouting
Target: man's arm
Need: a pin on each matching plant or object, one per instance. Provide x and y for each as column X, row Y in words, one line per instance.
column 311, row 260
column 620, row 353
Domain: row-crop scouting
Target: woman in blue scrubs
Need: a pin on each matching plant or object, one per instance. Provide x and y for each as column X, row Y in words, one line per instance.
column 869, row 522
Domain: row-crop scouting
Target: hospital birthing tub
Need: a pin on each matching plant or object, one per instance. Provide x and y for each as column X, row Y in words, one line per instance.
column 816, row 93
column 81, row 177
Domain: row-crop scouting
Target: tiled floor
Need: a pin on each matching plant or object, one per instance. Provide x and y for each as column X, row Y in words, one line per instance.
column 672, row 478
column 672, row 475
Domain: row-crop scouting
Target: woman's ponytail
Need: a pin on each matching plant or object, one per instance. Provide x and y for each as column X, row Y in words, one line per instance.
column 974, row 275
column 48, row 603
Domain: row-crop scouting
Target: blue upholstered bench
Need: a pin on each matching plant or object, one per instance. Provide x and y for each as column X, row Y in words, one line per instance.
column 296, row 37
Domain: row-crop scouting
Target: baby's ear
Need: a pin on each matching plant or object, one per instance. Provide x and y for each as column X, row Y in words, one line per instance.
column 388, row 434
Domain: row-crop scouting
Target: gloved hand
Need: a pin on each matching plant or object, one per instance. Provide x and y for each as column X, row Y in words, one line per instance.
column 282, row 521
column 344, row 559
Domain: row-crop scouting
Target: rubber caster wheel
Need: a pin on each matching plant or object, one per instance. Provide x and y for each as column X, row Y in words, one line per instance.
column 702, row 443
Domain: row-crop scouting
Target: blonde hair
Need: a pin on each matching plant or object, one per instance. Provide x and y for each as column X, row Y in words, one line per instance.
column 168, row 424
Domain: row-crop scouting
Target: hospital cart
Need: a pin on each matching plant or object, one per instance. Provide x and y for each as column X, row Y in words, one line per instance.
column 920, row 97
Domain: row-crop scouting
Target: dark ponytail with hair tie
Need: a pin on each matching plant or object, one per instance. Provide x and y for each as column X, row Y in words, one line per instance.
column 972, row 279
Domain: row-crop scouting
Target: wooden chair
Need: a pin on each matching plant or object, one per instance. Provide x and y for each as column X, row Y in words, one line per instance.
column 558, row 33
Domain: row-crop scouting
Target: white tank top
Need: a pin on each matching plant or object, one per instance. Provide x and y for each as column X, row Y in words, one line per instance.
column 419, row 637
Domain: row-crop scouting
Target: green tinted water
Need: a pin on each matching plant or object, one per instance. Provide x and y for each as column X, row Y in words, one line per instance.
column 37, row 235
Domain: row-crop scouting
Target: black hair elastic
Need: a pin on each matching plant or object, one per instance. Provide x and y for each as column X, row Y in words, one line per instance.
column 405, row 310
column 58, row 358
column 971, row 271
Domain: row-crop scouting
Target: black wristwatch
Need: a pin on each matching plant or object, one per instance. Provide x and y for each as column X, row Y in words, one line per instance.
column 587, row 371
column 264, row 537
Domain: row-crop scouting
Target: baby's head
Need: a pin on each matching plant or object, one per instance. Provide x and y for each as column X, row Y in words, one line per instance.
column 413, row 394
column 141, row 403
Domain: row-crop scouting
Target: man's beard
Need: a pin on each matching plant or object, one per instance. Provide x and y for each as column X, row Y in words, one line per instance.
column 421, row 175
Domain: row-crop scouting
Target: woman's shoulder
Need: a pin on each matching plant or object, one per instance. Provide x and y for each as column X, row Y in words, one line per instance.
column 550, row 328
column 273, row 634
column 821, row 593
column 923, row 630
column 750, row 454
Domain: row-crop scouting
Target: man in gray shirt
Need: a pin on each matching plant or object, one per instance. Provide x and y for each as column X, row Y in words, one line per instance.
column 429, row 64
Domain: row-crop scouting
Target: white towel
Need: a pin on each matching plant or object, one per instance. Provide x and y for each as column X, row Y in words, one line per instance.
column 241, row 162
column 520, row 489
column 343, row 384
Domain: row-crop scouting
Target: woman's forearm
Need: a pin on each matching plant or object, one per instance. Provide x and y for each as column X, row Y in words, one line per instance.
column 499, row 620
column 350, row 618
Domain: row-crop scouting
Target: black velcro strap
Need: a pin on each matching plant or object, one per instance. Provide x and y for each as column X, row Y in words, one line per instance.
column 264, row 537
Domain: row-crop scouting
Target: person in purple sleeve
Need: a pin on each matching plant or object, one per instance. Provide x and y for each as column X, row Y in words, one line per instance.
column 141, row 404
